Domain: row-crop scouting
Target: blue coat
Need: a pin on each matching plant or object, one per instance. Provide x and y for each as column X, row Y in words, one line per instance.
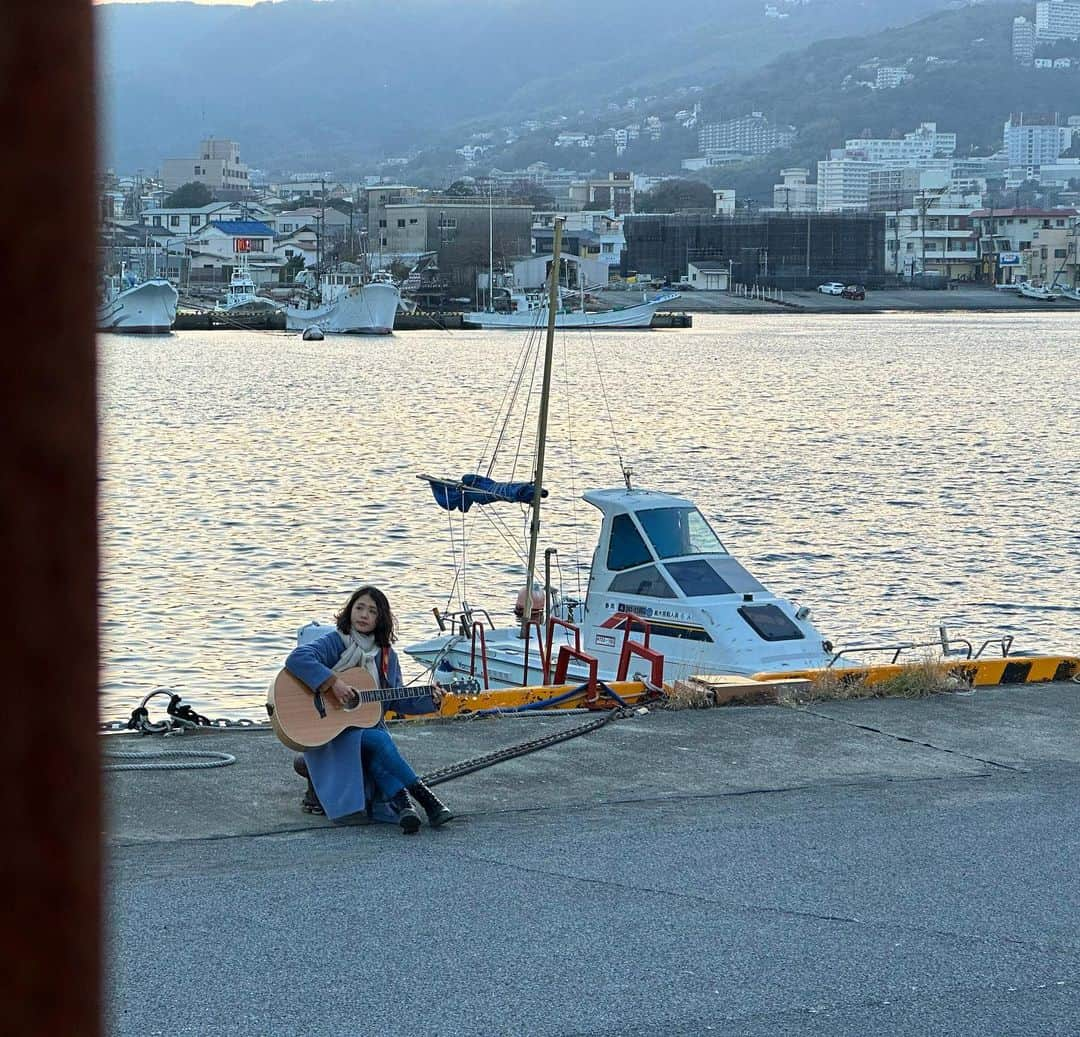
column 336, row 771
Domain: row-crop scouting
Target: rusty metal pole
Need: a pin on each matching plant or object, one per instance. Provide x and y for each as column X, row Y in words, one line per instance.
column 50, row 961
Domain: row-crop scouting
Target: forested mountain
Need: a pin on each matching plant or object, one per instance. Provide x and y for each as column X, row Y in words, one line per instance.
column 962, row 77
column 339, row 83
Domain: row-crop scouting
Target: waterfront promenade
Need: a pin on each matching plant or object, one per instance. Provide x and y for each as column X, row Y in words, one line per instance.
column 966, row 299
column 869, row 867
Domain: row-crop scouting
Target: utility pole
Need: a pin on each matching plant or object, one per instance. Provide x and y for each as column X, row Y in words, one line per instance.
column 322, row 205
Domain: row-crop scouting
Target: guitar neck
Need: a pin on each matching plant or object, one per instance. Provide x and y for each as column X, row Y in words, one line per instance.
column 393, row 694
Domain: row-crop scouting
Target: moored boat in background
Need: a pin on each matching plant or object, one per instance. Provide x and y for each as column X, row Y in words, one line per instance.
column 350, row 303
column 136, row 306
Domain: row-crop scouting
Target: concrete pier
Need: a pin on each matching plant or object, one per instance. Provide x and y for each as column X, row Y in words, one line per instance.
column 877, row 866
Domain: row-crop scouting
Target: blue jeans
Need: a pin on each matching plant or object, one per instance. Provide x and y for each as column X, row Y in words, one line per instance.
column 384, row 763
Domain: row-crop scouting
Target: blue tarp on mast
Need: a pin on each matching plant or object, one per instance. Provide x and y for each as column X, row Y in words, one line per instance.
column 461, row 494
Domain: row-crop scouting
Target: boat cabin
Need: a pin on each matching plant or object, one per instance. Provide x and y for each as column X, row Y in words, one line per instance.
column 659, row 559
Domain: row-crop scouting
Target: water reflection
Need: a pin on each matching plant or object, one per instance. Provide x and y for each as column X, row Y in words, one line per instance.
column 888, row 470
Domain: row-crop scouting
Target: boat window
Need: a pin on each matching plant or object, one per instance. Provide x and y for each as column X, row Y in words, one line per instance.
column 697, row 578
column 770, row 624
column 626, row 548
column 679, row 531
column 643, row 581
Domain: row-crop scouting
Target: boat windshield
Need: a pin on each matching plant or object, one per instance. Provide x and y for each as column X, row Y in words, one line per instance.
column 674, row 532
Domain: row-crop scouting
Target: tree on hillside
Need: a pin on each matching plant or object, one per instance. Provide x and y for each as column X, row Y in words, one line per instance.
column 191, row 195
column 676, row 196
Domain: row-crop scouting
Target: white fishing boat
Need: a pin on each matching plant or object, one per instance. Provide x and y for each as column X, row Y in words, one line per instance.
column 241, row 298
column 659, row 571
column 349, row 303
column 530, row 310
column 134, row 306
column 1069, row 293
column 1036, row 290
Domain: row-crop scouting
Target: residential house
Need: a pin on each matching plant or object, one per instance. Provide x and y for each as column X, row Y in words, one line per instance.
column 1040, row 244
column 587, row 235
column 936, row 237
column 217, row 249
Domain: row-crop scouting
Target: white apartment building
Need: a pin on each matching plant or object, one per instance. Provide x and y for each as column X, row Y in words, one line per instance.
column 843, row 182
column 1034, row 139
column 1057, row 20
column 889, row 77
column 217, row 165
column 922, row 143
column 1023, row 41
column 752, row 134
column 794, row 194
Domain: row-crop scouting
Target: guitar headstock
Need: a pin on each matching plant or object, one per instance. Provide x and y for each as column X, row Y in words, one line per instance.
column 463, row 686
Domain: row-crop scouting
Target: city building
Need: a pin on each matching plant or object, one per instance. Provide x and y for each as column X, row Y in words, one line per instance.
column 752, row 134
column 923, row 143
column 587, row 235
column 1057, row 20
column 1032, row 139
column 1040, row 244
column 889, row 78
column 843, row 181
column 468, row 236
column 217, row 166
column 784, row 250
column 933, row 238
column 1023, row 41
column 615, row 191
column 794, row 194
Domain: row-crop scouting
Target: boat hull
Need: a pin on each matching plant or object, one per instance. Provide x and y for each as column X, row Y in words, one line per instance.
column 366, row 309
column 148, row 308
column 639, row 316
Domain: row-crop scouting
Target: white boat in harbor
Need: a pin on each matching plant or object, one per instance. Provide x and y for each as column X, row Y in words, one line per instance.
column 530, row 310
column 658, row 566
column 1035, row 290
column 350, row 303
column 133, row 306
column 241, row 299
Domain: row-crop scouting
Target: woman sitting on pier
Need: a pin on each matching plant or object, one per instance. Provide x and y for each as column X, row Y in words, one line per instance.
column 360, row 776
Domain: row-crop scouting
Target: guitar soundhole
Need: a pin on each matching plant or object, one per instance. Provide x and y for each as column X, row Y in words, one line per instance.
column 353, row 702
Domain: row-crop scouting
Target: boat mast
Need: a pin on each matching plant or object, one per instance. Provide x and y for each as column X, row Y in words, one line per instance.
column 491, row 252
column 541, row 425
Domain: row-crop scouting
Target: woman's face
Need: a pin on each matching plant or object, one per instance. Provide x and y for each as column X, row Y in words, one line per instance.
column 364, row 615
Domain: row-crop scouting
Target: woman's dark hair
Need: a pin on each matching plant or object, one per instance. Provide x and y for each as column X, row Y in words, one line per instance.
column 385, row 631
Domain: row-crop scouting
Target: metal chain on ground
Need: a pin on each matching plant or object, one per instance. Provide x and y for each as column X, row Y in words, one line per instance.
column 463, row 767
column 167, row 760
column 181, row 718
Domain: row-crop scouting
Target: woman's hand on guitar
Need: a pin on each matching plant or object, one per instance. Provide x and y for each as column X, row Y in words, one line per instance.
column 437, row 694
column 345, row 695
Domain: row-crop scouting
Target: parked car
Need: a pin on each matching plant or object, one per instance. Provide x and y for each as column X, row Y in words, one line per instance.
column 854, row 291
column 831, row 288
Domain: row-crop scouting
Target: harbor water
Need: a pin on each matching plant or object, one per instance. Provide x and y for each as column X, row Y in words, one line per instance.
column 890, row 471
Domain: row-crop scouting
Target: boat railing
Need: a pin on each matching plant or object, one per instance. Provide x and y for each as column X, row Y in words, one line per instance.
column 951, row 647
column 478, row 635
column 537, row 625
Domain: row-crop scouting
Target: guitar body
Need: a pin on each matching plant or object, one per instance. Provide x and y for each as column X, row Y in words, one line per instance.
column 297, row 721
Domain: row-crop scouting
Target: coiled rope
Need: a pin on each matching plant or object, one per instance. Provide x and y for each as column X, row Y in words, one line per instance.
column 167, row 760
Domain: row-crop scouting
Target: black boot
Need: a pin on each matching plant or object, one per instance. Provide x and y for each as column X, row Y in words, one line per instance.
column 408, row 818
column 438, row 813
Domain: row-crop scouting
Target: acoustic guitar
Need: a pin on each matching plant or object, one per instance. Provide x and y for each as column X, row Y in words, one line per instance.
column 303, row 720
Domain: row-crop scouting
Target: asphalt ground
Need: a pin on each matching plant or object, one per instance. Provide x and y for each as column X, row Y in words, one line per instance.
column 850, row 868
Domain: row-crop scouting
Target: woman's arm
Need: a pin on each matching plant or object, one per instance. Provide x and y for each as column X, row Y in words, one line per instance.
column 415, row 705
column 311, row 663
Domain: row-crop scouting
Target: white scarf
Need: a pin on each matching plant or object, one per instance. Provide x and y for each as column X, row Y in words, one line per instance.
column 359, row 650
